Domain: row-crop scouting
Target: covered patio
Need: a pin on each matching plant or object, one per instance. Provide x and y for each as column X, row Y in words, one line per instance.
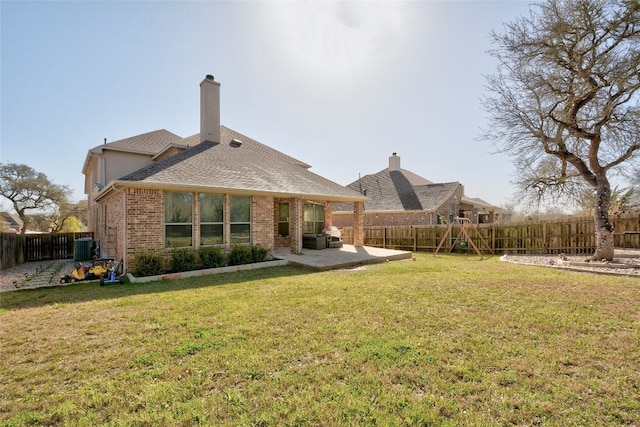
column 344, row 257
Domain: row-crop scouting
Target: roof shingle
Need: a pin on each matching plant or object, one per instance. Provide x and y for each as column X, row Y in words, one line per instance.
column 238, row 163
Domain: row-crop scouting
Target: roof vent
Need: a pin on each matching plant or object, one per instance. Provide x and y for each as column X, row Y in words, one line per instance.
column 209, row 77
column 235, row 143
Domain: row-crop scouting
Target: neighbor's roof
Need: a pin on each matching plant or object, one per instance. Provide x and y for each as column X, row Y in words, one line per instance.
column 237, row 164
column 12, row 219
column 400, row 190
column 478, row 202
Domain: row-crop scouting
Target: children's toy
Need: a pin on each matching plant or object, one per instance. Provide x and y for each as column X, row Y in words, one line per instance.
column 96, row 269
column 112, row 275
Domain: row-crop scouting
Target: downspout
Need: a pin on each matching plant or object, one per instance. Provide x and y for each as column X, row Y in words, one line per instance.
column 124, row 231
column 300, row 221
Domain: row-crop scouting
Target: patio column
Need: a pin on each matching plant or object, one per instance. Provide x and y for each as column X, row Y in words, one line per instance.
column 358, row 224
column 296, row 222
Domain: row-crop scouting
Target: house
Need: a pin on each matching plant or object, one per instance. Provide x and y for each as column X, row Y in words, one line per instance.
column 400, row 197
column 11, row 223
column 158, row 191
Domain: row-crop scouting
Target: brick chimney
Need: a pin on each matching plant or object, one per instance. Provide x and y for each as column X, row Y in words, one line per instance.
column 209, row 110
column 394, row 162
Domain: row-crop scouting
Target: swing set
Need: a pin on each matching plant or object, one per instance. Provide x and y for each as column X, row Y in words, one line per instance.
column 463, row 239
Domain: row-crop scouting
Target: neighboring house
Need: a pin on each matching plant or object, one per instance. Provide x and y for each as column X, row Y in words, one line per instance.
column 158, row 191
column 11, row 223
column 400, row 197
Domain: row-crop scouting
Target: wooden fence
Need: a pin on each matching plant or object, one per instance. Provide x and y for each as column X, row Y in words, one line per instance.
column 18, row 248
column 571, row 236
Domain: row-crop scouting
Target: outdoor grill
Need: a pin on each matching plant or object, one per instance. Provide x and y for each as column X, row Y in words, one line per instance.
column 334, row 239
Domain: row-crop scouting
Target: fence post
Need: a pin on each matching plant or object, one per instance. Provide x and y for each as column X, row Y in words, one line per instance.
column 415, row 240
column 384, row 237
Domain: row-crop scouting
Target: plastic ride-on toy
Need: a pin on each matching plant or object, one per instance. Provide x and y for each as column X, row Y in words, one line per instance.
column 112, row 275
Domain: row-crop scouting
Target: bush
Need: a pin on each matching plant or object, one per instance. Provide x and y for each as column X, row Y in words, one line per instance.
column 258, row 253
column 240, row 255
column 211, row 257
column 149, row 264
column 184, row 259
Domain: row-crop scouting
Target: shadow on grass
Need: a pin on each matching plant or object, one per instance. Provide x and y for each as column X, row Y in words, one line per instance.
column 92, row 291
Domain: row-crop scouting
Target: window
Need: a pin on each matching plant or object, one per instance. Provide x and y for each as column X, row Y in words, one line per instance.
column 283, row 219
column 313, row 218
column 178, row 219
column 211, row 219
column 240, row 219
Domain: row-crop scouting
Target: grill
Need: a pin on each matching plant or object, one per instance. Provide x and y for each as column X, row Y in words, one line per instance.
column 334, row 237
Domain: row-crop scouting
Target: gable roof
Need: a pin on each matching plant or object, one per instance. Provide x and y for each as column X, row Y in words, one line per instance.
column 13, row 220
column 237, row 164
column 150, row 143
column 400, row 190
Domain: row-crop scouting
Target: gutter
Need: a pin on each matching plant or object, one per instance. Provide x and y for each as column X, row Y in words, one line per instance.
column 238, row 191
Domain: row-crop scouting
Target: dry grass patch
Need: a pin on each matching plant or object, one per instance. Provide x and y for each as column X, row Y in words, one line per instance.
column 449, row 340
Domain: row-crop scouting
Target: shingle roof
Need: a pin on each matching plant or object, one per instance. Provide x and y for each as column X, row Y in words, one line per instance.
column 400, row 190
column 238, row 163
column 150, row 143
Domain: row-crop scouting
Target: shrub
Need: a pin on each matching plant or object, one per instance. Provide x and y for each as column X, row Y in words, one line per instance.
column 211, row 257
column 149, row 264
column 240, row 255
column 258, row 253
column 184, row 259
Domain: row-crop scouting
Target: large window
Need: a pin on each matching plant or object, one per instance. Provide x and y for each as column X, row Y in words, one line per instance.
column 178, row 219
column 283, row 219
column 240, row 219
column 313, row 218
column 211, row 219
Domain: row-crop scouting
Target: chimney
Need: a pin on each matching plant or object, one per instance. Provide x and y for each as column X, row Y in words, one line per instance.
column 394, row 163
column 209, row 110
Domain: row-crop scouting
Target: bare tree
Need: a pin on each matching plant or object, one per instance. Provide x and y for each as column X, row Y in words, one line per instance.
column 29, row 190
column 565, row 101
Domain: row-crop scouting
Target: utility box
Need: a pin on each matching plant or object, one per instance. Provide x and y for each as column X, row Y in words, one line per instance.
column 82, row 249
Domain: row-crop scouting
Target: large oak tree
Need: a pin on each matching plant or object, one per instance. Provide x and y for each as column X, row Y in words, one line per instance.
column 30, row 191
column 564, row 101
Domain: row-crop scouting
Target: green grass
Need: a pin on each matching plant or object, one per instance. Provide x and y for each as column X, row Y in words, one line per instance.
column 440, row 341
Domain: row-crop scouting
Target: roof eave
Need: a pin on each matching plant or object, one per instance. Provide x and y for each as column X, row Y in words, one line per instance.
column 113, row 186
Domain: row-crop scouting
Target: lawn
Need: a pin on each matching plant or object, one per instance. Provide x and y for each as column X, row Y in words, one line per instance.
column 439, row 341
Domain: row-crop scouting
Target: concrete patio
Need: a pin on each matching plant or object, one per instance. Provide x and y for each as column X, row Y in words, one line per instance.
column 344, row 257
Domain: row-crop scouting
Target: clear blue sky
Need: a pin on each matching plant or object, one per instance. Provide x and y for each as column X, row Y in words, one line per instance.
column 338, row 85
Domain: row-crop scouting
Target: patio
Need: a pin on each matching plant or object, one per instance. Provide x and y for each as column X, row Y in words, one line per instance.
column 344, row 257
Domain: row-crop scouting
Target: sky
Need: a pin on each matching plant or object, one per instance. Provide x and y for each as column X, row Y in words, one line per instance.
column 338, row 85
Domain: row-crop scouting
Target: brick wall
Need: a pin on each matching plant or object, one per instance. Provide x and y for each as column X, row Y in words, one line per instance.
column 145, row 226
column 345, row 219
column 262, row 222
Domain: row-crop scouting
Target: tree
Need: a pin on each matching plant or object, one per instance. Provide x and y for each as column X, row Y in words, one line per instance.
column 622, row 200
column 29, row 190
column 564, row 101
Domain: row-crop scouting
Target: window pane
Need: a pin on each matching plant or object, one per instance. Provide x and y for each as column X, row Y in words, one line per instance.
column 319, row 213
column 177, row 208
column 211, row 234
column 240, row 233
column 240, row 209
column 211, row 207
column 283, row 212
column 308, row 212
column 308, row 227
column 283, row 229
column 178, row 236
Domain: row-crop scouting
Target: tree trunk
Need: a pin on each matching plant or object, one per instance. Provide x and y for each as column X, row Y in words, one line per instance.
column 604, row 230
